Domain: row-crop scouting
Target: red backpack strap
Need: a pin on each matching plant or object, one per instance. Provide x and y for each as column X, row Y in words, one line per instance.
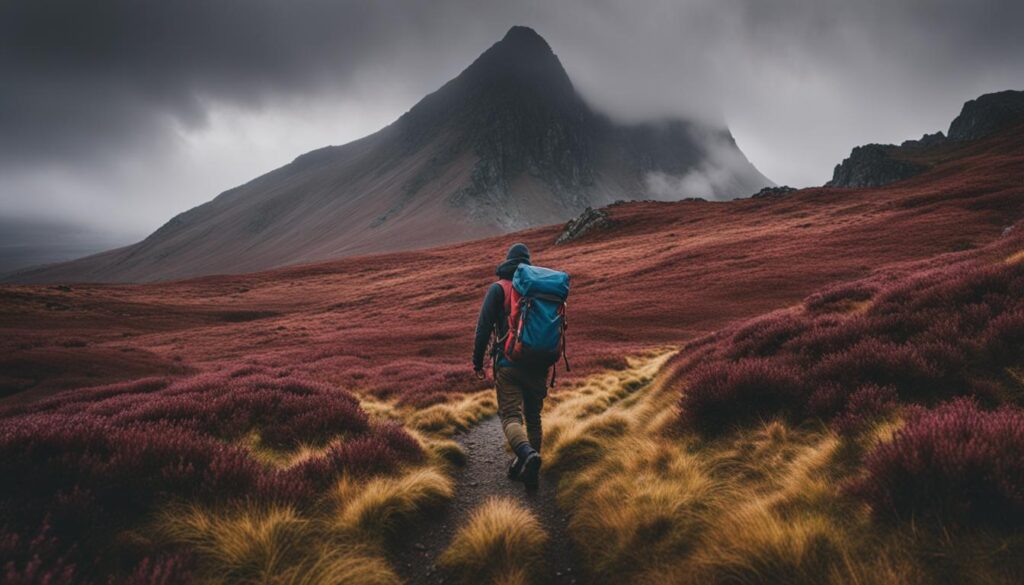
column 506, row 285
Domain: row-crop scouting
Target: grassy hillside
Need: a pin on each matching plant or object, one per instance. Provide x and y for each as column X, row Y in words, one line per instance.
column 840, row 354
column 870, row 434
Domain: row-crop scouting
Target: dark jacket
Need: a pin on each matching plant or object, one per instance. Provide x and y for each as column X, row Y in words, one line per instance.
column 492, row 313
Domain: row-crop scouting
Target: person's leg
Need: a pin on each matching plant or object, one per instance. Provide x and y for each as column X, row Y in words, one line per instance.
column 510, row 406
column 532, row 406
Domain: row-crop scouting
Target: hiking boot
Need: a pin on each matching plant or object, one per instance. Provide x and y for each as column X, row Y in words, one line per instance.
column 515, row 468
column 530, row 474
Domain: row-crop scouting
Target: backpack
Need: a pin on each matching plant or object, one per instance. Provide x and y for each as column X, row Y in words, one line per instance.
column 535, row 301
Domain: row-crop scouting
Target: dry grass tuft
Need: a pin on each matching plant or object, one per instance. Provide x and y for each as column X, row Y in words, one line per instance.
column 448, row 418
column 270, row 544
column 501, row 543
column 378, row 508
column 754, row 544
column 332, row 566
column 244, row 544
column 643, row 503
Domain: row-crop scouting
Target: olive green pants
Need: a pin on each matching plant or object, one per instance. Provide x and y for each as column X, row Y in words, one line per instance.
column 521, row 395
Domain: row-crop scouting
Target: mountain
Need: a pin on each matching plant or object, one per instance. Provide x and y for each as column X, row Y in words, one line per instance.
column 507, row 144
column 875, row 165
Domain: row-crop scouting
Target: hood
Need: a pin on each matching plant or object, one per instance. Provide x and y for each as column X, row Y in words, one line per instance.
column 517, row 254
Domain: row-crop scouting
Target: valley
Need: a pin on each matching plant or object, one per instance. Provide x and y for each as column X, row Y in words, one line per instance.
column 331, row 421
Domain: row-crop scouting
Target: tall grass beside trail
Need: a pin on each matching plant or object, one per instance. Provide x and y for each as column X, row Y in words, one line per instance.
column 107, row 462
column 815, row 445
column 343, row 543
column 501, row 543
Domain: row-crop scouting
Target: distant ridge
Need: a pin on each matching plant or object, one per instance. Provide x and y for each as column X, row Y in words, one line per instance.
column 875, row 165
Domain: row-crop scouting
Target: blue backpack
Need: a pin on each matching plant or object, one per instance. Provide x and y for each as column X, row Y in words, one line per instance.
column 535, row 301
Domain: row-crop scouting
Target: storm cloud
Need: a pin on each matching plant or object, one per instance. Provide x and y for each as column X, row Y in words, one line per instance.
column 120, row 113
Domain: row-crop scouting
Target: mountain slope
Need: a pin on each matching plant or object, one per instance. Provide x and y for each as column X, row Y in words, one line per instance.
column 507, row 144
column 657, row 275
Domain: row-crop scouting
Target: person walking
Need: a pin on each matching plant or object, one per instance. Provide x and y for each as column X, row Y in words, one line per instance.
column 524, row 323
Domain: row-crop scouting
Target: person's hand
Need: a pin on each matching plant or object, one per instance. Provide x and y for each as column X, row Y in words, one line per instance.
column 481, row 374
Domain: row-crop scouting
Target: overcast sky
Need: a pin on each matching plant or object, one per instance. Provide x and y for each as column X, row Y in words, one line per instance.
column 117, row 114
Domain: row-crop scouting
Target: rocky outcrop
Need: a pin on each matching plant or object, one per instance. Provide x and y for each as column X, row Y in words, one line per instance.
column 925, row 141
column 588, row 221
column 873, row 165
column 773, row 191
column 988, row 114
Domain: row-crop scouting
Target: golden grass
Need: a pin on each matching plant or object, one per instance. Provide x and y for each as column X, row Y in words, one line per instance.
column 344, row 541
column 650, row 503
column 502, row 542
column 271, row 544
column 279, row 457
column 448, row 418
column 378, row 508
column 1015, row 258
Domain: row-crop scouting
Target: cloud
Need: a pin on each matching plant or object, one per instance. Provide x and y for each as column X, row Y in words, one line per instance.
column 127, row 111
column 721, row 174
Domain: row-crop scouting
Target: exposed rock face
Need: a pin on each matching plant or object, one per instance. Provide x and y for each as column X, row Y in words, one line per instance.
column 988, row 114
column 588, row 221
column 773, row 191
column 873, row 165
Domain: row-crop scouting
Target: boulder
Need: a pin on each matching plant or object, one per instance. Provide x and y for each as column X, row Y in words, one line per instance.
column 588, row 221
column 773, row 191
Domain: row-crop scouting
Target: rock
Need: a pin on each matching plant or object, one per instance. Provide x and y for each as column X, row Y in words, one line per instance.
column 988, row 114
column 873, row 165
column 589, row 220
column 926, row 140
column 1007, row 231
column 419, row 546
column 773, row 191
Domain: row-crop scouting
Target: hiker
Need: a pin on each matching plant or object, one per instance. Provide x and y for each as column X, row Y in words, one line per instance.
column 532, row 301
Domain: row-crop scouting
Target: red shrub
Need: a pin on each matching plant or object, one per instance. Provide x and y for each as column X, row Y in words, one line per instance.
column 721, row 396
column 936, row 334
column 864, row 406
column 765, row 336
column 873, row 361
column 840, row 297
column 955, row 462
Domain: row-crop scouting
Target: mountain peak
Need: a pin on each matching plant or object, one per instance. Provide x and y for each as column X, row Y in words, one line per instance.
column 523, row 55
column 525, row 37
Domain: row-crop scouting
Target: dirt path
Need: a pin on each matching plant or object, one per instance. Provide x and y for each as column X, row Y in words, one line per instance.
column 482, row 477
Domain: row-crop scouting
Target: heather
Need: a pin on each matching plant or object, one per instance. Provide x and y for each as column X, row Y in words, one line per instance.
column 102, row 461
column 956, row 464
column 854, row 352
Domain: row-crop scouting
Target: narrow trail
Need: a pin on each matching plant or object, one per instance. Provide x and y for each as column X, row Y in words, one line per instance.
column 482, row 477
